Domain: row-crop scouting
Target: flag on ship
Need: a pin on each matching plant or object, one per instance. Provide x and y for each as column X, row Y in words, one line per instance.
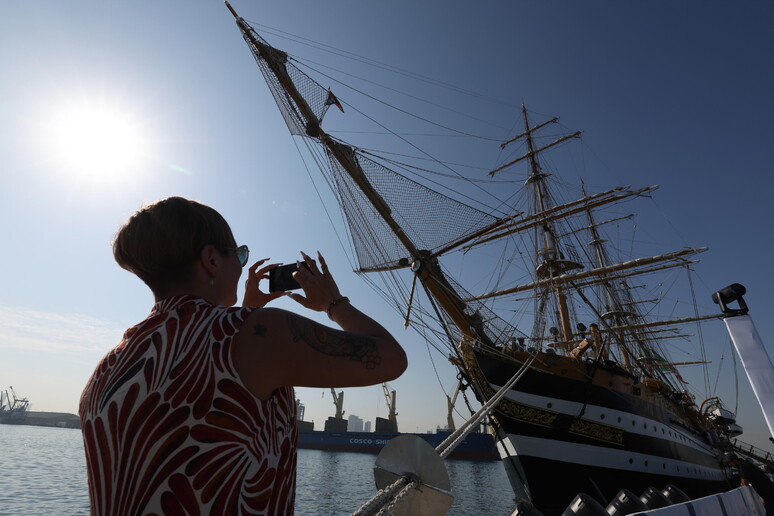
column 333, row 101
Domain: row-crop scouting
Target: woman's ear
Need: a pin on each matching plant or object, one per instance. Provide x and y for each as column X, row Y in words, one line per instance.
column 210, row 259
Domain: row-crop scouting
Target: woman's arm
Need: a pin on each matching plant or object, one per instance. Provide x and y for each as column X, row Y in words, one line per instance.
column 277, row 348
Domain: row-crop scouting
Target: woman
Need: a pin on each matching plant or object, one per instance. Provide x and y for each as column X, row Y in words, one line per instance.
column 194, row 411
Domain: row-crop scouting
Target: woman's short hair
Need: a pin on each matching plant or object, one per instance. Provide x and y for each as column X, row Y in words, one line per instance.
column 161, row 241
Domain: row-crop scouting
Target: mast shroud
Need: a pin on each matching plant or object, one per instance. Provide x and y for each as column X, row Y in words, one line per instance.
column 424, row 266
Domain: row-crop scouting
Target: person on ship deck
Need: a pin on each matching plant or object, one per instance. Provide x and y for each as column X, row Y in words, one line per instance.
column 194, row 411
column 751, row 475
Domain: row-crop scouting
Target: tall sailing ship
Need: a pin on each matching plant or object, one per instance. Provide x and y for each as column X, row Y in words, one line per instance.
column 600, row 407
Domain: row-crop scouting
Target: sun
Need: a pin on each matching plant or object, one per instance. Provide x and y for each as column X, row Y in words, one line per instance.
column 96, row 141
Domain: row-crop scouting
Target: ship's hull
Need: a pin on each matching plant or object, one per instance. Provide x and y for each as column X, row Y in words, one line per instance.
column 477, row 446
column 567, row 436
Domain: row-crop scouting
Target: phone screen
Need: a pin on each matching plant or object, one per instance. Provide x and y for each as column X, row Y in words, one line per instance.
column 281, row 278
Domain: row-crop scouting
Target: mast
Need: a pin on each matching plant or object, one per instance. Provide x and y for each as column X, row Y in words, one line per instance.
column 612, row 313
column 387, row 238
column 549, row 263
column 423, row 265
column 450, row 401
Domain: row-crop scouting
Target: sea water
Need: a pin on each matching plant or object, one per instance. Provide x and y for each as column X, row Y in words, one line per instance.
column 43, row 471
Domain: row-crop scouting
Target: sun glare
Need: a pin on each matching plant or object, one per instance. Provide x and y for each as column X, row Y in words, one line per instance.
column 96, row 141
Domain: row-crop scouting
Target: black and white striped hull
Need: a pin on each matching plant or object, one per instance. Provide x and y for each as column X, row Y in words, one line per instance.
column 566, row 437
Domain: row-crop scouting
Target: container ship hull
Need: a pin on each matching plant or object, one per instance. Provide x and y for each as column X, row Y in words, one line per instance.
column 476, row 446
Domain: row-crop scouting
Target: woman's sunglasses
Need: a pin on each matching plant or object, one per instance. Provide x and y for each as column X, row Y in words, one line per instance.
column 242, row 252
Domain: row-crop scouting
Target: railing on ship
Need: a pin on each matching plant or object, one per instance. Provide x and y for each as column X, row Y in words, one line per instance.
column 753, row 452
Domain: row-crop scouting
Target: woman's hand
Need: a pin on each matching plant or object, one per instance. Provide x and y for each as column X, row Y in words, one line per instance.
column 254, row 296
column 318, row 284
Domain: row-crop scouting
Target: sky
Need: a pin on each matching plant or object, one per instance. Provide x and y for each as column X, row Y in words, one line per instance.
column 172, row 103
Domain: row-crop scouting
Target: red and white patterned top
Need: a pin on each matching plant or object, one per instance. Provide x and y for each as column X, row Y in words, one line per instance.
column 169, row 428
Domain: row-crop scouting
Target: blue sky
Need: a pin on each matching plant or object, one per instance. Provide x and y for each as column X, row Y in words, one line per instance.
column 676, row 94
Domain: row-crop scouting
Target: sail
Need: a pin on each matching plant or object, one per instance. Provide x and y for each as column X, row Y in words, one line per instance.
column 756, row 362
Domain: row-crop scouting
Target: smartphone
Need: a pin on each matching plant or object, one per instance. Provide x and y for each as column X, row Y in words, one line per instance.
column 281, row 278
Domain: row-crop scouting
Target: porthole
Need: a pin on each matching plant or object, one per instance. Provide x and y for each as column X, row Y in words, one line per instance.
column 663, row 466
column 645, row 426
column 550, row 405
column 633, row 422
column 619, row 419
column 646, row 463
column 601, row 416
column 631, row 461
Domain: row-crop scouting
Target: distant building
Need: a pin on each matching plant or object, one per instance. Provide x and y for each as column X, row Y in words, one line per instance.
column 355, row 424
column 367, row 426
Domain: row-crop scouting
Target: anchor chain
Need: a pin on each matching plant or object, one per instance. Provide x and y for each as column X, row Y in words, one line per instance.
column 386, row 500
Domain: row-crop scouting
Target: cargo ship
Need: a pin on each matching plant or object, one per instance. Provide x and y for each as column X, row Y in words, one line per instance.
column 477, row 446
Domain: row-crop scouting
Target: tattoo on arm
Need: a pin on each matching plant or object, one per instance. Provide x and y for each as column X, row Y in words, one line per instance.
column 334, row 343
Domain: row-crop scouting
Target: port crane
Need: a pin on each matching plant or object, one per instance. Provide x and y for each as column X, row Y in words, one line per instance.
column 338, row 402
column 11, row 406
column 450, row 401
column 389, row 395
column 19, row 404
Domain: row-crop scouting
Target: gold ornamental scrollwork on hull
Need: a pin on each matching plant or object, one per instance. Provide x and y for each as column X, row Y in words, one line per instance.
column 597, row 431
column 506, row 407
column 525, row 413
column 541, row 417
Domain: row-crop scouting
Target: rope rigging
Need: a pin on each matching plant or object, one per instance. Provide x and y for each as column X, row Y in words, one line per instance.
column 392, row 495
column 400, row 110
column 431, row 158
column 441, row 106
column 377, row 64
column 394, row 222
